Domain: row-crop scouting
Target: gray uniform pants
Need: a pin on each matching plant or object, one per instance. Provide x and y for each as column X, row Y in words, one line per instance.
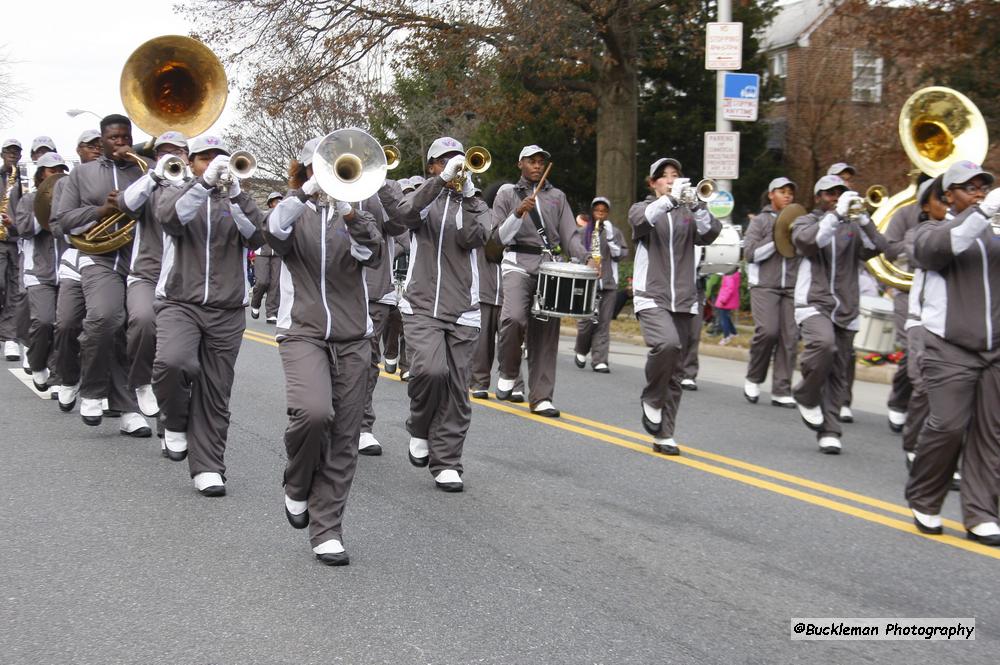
column 517, row 325
column 379, row 314
column 267, row 271
column 668, row 336
column 42, row 305
column 919, row 407
column 440, row 407
column 697, row 322
column 482, row 360
column 593, row 336
column 141, row 333
column 13, row 300
column 102, row 342
column 964, row 391
column 826, row 353
column 775, row 335
column 325, row 409
column 71, row 308
column 394, row 340
column 196, row 349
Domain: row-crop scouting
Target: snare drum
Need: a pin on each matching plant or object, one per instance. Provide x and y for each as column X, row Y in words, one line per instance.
column 565, row 289
column 400, row 266
column 723, row 255
column 877, row 333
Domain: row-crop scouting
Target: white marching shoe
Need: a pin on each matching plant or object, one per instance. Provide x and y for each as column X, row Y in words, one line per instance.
column 147, row 401
column 25, row 365
column 652, row 418
column 91, row 411
column 332, row 553
column 369, row 445
column 751, row 391
column 67, row 397
column 812, row 416
column 829, row 445
column 845, row 415
column 929, row 524
column 41, row 379
column 210, row 483
column 449, row 481
column 133, row 424
column 255, row 312
column 896, row 420
column 504, row 388
column 11, row 351
column 390, row 365
column 176, row 444
column 418, row 452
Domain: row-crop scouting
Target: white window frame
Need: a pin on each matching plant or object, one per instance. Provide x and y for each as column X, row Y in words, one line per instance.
column 777, row 68
column 866, row 78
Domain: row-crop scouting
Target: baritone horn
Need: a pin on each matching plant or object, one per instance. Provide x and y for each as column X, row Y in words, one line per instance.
column 391, row 156
column 350, row 165
column 106, row 235
column 938, row 127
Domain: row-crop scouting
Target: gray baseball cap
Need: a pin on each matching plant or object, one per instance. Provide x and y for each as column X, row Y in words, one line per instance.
column 207, row 142
column 829, row 182
column 172, row 138
column 664, row 161
column 924, row 191
column 778, row 183
column 272, row 196
column 88, row 135
column 51, row 160
column 840, row 167
column 964, row 171
column 43, row 142
column 443, row 146
column 308, row 151
column 600, row 199
column 529, row 150
column 10, row 142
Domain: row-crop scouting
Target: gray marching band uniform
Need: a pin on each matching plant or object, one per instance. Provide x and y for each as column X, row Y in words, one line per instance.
column 771, row 279
column 201, row 293
column 71, row 306
column 102, row 277
column 961, row 366
column 903, row 221
column 827, row 299
column 13, row 299
column 323, row 333
column 593, row 336
column 140, row 201
column 665, row 297
column 918, row 407
column 441, row 318
column 490, row 305
column 266, row 271
column 40, row 274
column 521, row 258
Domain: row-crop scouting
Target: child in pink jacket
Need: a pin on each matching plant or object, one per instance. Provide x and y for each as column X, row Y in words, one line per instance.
column 726, row 302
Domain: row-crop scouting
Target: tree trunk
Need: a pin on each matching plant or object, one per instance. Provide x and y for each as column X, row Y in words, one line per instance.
column 617, row 129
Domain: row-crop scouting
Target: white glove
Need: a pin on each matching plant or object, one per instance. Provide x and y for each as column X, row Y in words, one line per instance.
column 215, row 169
column 863, row 219
column 343, row 208
column 844, row 202
column 160, row 171
column 609, row 231
column 468, row 189
column 452, row 168
column 311, row 187
column 663, row 204
column 991, row 204
column 234, row 188
column 679, row 186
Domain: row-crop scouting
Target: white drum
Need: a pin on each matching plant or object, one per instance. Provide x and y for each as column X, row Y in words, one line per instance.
column 565, row 289
column 877, row 333
column 723, row 255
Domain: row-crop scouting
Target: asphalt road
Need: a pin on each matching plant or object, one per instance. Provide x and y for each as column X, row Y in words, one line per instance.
column 572, row 543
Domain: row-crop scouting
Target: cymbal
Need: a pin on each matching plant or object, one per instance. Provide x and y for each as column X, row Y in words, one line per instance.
column 783, row 229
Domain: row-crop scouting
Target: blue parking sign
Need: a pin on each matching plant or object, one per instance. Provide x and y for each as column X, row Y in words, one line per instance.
column 740, row 95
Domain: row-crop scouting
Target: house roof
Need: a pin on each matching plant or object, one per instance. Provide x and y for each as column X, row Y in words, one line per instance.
column 795, row 21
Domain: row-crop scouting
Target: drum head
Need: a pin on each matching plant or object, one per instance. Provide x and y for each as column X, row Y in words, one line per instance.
column 559, row 269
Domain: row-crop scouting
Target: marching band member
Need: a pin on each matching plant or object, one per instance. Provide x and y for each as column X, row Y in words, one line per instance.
column 144, row 270
column 440, row 306
column 10, row 279
column 961, row 367
column 771, row 277
column 594, row 336
column 664, row 286
column 689, row 370
column 531, row 224
column 845, row 171
column 209, row 224
column 71, row 307
column 322, row 331
column 832, row 246
column 267, row 269
column 89, row 195
column 394, row 340
column 40, row 250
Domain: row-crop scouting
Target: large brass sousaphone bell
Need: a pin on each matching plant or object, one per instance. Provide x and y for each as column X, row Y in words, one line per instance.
column 937, row 126
column 349, row 165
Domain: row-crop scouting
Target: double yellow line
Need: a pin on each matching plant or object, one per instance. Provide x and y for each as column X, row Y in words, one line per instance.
column 788, row 485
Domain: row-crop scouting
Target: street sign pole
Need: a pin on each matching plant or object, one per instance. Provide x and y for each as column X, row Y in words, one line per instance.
column 721, row 124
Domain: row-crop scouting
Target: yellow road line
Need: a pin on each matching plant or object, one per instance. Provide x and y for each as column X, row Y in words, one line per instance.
column 905, row 526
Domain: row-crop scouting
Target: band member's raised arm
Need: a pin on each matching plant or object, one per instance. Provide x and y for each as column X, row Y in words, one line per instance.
column 936, row 244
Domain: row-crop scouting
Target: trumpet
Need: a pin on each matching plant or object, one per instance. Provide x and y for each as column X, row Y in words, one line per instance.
column 391, row 156
column 241, row 165
column 703, row 192
column 175, row 170
column 477, row 160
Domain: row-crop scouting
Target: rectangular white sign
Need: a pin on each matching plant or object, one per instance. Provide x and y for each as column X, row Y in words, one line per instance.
column 722, row 155
column 739, row 96
column 724, row 46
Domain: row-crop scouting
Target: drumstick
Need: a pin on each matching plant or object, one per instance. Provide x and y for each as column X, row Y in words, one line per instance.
column 542, row 181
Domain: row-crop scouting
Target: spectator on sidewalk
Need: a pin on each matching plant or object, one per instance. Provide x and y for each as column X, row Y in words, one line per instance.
column 726, row 303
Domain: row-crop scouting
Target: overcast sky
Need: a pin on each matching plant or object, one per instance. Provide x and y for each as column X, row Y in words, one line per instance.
column 69, row 54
